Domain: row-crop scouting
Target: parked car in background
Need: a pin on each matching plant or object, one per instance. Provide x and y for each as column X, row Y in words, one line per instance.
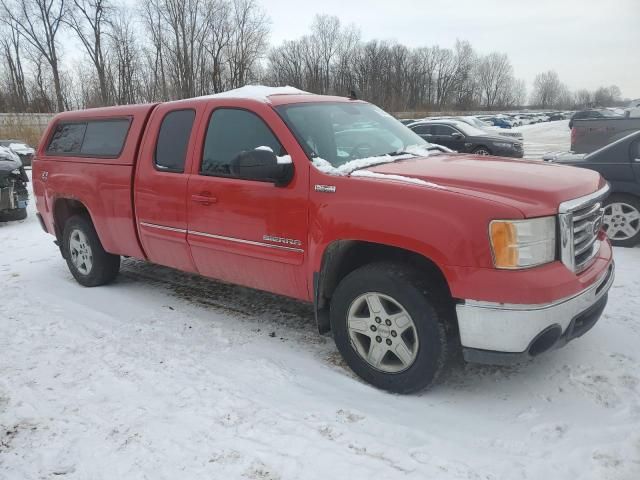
column 619, row 164
column 590, row 134
column 13, row 187
column 476, row 122
column 496, row 121
column 556, row 116
column 526, row 119
column 20, row 148
column 465, row 138
column 633, row 109
column 592, row 113
column 407, row 121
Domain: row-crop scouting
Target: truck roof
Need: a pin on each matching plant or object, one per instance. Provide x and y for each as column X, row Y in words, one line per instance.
column 270, row 95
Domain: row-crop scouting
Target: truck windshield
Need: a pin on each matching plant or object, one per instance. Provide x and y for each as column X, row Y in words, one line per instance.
column 341, row 132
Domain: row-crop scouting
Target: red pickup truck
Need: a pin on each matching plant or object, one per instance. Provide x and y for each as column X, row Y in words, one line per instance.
column 407, row 250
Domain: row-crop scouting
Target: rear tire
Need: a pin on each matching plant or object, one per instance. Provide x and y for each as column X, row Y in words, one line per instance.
column 622, row 219
column 384, row 308
column 13, row 215
column 87, row 260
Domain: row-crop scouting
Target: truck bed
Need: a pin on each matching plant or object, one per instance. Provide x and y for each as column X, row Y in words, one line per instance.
column 590, row 134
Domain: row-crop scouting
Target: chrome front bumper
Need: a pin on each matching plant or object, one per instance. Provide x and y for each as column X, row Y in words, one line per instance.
column 507, row 333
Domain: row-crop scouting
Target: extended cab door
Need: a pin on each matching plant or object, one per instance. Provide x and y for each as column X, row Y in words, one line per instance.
column 160, row 193
column 244, row 231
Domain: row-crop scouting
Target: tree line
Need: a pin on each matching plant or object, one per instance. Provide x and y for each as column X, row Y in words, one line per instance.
column 172, row 49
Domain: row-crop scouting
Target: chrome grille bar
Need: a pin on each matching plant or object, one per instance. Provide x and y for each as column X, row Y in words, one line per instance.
column 580, row 222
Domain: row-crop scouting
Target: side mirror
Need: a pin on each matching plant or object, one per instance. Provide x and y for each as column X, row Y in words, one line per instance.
column 262, row 166
column 457, row 136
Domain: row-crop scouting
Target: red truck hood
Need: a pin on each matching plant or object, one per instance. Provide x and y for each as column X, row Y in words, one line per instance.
column 536, row 188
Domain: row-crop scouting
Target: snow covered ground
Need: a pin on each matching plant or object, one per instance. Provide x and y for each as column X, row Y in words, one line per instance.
column 541, row 138
column 164, row 375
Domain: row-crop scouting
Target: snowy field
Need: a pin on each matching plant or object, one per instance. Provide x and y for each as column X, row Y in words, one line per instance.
column 541, row 138
column 168, row 376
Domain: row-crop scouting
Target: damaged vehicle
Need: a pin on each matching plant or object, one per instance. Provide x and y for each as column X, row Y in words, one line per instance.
column 14, row 196
column 21, row 149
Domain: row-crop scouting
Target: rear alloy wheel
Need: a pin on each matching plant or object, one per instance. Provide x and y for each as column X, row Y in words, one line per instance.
column 80, row 251
column 388, row 322
column 86, row 258
column 482, row 151
column 622, row 220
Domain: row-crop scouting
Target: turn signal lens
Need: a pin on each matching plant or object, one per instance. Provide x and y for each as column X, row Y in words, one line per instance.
column 505, row 245
column 523, row 243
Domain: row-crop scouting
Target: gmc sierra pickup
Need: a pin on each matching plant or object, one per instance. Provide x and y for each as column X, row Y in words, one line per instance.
column 406, row 249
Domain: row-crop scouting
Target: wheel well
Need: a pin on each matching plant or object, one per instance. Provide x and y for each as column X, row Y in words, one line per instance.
column 63, row 209
column 345, row 256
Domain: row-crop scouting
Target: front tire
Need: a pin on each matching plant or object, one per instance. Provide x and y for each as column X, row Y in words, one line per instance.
column 622, row 220
column 87, row 260
column 389, row 325
column 482, row 150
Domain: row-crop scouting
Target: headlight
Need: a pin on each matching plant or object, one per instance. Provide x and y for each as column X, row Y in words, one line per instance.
column 523, row 243
column 16, row 171
column 503, row 144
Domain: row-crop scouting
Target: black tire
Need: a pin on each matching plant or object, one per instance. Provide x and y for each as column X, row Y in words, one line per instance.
column 105, row 266
column 480, row 149
column 628, row 201
column 428, row 306
column 13, row 215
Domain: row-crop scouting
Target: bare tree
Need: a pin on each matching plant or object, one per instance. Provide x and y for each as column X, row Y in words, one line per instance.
column 606, row 96
column 89, row 19
column 495, row 76
column 125, row 60
column 325, row 34
column 583, row 98
column 546, row 89
column 248, row 40
column 39, row 22
column 12, row 53
column 218, row 42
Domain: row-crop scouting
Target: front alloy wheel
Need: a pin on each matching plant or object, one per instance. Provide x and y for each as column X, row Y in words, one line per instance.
column 388, row 321
column 382, row 332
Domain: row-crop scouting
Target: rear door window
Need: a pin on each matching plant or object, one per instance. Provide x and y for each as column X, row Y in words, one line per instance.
column 93, row 138
column 173, row 140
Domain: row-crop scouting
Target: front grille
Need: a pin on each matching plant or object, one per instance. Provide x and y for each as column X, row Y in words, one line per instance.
column 511, row 134
column 580, row 223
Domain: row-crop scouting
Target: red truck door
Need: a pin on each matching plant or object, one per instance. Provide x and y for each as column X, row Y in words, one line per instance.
column 160, row 193
column 242, row 231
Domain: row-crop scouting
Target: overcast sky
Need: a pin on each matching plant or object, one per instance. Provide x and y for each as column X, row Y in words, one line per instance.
column 588, row 42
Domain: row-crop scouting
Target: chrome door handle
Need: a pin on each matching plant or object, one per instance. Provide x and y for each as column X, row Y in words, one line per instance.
column 203, row 199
